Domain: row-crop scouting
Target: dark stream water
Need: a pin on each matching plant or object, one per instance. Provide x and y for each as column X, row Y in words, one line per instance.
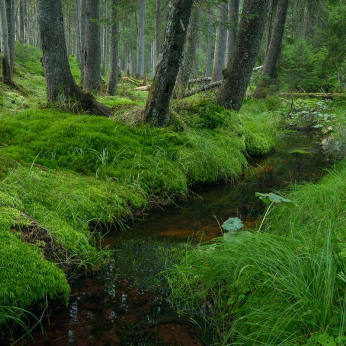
column 126, row 303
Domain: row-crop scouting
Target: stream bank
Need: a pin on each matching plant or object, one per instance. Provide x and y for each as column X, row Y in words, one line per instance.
column 126, row 303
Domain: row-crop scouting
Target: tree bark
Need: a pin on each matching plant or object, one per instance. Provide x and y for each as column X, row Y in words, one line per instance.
column 189, row 58
column 157, row 30
column 78, row 32
column 59, row 80
column 11, row 20
column 6, row 54
column 22, row 21
column 82, row 37
column 233, row 18
column 114, row 51
column 239, row 69
column 209, row 43
column 156, row 111
column 221, row 42
column 274, row 49
column 141, row 48
column 92, row 55
column 105, row 38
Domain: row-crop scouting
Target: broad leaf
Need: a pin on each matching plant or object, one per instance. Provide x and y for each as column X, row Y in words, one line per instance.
column 269, row 198
column 233, row 224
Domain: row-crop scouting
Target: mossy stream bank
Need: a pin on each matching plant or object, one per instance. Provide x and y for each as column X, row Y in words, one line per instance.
column 125, row 304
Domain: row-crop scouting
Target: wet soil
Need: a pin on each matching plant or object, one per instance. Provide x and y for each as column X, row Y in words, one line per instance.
column 126, row 303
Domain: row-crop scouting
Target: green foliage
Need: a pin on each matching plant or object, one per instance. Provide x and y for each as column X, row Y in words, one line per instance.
column 233, row 224
column 29, row 57
column 291, row 287
column 26, row 277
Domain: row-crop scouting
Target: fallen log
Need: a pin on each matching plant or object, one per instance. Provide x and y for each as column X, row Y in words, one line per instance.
column 258, row 68
column 200, row 80
column 313, row 95
column 143, row 88
column 203, row 88
column 132, row 81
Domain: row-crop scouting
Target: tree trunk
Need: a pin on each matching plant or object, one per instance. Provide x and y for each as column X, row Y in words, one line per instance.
column 157, row 30
column 233, row 18
column 114, row 51
column 221, row 42
column 59, row 80
column 6, row 54
column 82, row 37
column 239, row 69
column 11, row 20
column 209, row 43
column 189, row 58
column 156, row 111
column 78, row 32
column 274, row 49
column 141, row 48
column 22, row 21
column 105, row 37
column 92, row 56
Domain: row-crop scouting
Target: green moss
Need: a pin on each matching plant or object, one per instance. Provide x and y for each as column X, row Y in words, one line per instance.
column 26, row 277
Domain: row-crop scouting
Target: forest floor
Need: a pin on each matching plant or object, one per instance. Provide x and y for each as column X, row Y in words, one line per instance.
column 66, row 179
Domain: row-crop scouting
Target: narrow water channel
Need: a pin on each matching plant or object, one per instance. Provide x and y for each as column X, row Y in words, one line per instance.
column 126, row 303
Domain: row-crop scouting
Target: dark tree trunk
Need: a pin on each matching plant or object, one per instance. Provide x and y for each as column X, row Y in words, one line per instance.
column 140, row 67
column 59, row 80
column 239, row 69
column 105, row 40
column 6, row 54
column 156, row 111
column 221, row 42
column 78, row 32
column 82, row 38
column 233, row 18
column 209, row 43
column 189, row 58
column 22, row 21
column 11, row 20
column 92, row 54
column 157, row 30
column 114, row 51
column 274, row 48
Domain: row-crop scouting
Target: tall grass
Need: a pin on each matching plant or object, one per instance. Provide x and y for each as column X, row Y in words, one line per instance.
column 262, row 289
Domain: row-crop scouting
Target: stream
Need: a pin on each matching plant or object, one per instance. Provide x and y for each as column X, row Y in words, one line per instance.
column 126, row 303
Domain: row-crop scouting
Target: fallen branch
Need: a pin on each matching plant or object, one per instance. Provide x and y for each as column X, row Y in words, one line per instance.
column 143, row 88
column 200, row 80
column 203, row 88
column 312, row 95
column 258, row 68
column 132, row 81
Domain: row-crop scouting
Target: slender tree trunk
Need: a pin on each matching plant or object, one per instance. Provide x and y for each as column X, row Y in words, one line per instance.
column 209, row 43
column 233, row 18
column 239, row 69
column 156, row 111
column 140, row 70
column 78, row 32
column 22, row 21
column 157, row 30
column 6, row 53
column 114, row 51
column 189, row 58
column 105, row 38
column 59, row 80
column 11, row 20
column 221, row 43
column 92, row 77
column 82, row 38
column 274, row 48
